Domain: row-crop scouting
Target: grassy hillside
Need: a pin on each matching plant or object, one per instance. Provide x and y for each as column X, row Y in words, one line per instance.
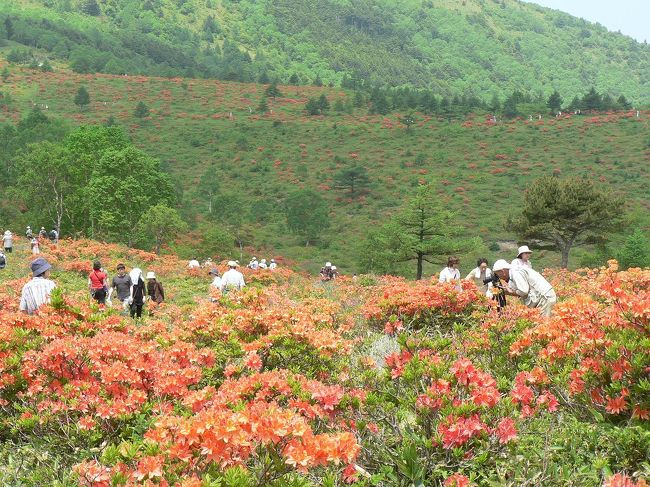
column 478, row 47
column 199, row 127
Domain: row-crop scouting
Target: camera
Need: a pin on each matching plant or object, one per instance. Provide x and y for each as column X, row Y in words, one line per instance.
column 499, row 297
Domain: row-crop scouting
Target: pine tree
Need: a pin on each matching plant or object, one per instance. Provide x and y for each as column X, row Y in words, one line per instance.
column 554, row 102
column 141, row 110
column 273, row 90
column 294, row 80
column 263, row 107
column 635, row 252
column 82, row 98
column 91, row 7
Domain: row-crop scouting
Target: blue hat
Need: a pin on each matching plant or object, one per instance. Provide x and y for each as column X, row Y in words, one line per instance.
column 39, row 266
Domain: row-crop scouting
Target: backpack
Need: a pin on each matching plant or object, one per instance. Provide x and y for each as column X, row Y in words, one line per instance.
column 53, row 235
column 3, row 261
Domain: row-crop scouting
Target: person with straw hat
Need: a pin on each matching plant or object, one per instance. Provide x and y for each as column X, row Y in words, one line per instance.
column 38, row 290
column 527, row 284
column 523, row 258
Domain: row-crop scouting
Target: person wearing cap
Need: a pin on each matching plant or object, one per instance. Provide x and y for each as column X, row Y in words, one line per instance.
column 42, row 233
column 479, row 275
column 326, row 272
column 523, row 258
column 273, row 265
column 36, row 248
column 155, row 289
column 194, row 264
column 451, row 273
column 121, row 283
column 137, row 293
column 38, row 290
column 98, row 283
column 28, row 233
column 216, row 279
column 335, row 272
column 528, row 284
column 253, row 264
column 8, row 241
column 232, row 279
column 263, row 264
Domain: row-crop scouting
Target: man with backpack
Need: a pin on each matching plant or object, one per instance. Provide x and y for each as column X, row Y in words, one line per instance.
column 3, row 260
column 54, row 235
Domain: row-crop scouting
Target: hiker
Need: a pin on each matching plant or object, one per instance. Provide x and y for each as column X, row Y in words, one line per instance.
column 232, row 279
column 253, row 264
column 527, row 284
column 263, row 264
column 193, row 264
column 28, row 233
column 42, row 233
column 3, row 260
column 37, row 291
column 54, row 235
column 273, row 265
column 155, row 289
column 523, row 258
column 8, row 241
column 137, row 294
column 451, row 272
column 480, row 274
column 36, row 248
column 326, row 272
column 121, row 283
column 215, row 285
column 98, row 283
column 335, row 273
column 207, row 264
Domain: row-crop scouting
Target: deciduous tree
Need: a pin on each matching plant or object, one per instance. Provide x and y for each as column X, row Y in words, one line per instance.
column 161, row 224
column 307, row 214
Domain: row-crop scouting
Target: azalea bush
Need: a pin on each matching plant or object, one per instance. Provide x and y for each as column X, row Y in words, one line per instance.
column 378, row 381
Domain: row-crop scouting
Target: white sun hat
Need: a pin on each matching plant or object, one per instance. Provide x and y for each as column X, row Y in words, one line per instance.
column 328, row 264
column 232, row 263
column 523, row 250
column 151, row 275
column 500, row 264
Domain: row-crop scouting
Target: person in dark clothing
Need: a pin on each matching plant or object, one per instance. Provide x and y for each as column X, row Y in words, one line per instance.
column 155, row 289
column 121, row 283
column 137, row 294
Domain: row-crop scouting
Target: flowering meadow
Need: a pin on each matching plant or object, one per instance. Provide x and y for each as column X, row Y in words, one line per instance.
column 293, row 382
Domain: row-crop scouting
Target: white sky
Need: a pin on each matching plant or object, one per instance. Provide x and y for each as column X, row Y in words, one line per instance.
column 631, row 17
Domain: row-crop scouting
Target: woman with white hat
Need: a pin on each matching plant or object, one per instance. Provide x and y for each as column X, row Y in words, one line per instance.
column 523, row 258
column 155, row 289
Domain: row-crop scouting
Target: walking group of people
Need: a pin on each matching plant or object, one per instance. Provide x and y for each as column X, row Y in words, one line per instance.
column 262, row 264
column 328, row 272
column 516, row 278
column 232, row 279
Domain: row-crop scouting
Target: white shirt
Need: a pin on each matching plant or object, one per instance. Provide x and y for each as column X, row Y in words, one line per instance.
column 449, row 274
column 253, row 264
column 530, row 285
column 194, row 264
column 273, row 265
column 263, row 265
column 517, row 263
column 8, row 240
column 477, row 276
column 232, row 279
column 216, row 283
column 36, row 293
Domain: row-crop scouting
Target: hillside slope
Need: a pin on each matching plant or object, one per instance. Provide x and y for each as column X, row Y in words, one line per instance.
column 479, row 47
column 204, row 130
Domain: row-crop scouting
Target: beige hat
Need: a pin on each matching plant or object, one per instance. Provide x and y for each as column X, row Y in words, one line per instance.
column 151, row 275
column 232, row 263
column 500, row 264
column 523, row 250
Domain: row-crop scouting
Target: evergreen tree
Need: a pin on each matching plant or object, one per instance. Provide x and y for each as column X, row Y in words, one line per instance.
column 141, row 110
column 307, row 214
column 263, row 106
column 264, row 78
column 635, row 252
column 567, row 213
column 623, row 103
column 272, row 90
column 592, row 100
column 323, row 103
column 554, row 102
column 91, row 7
column 82, row 98
column 294, row 80
column 354, row 178
column 318, row 81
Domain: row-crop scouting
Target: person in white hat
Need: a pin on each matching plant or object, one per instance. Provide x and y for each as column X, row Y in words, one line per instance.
column 253, row 264
column 528, row 284
column 273, row 265
column 523, row 258
column 263, row 264
column 232, row 279
column 155, row 289
column 8, row 239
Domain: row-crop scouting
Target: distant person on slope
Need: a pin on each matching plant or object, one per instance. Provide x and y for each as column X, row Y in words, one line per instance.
column 232, row 279
column 36, row 248
column 37, row 291
column 335, row 272
column 326, row 272
column 523, row 258
column 194, row 264
column 54, row 235
column 98, row 283
column 138, row 292
column 3, row 260
column 42, row 233
column 273, row 265
column 8, row 241
column 253, row 264
column 28, row 233
column 451, row 273
column 529, row 285
column 479, row 275
column 263, row 264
